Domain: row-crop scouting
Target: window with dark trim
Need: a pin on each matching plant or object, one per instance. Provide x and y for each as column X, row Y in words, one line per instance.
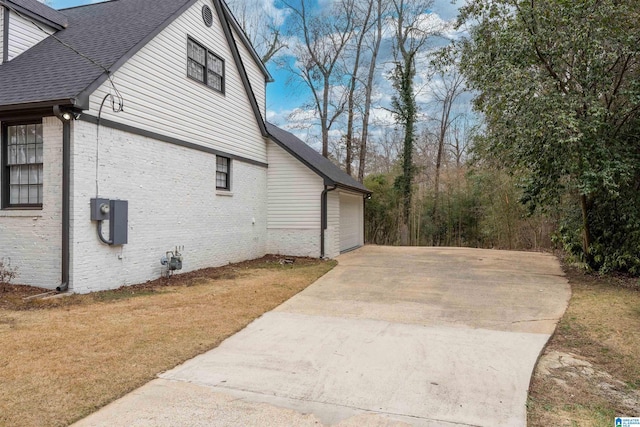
column 223, row 173
column 205, row 66
column 22, row 166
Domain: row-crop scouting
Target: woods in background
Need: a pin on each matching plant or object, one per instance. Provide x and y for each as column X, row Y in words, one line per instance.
column 549, row 156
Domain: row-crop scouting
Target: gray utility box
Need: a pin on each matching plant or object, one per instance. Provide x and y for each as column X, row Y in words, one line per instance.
column 117, row 213
column 118, row 221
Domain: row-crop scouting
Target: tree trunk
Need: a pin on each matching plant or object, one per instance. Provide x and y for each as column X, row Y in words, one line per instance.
column 323, row 118
column 368, row 93
column 586, row 230
column 436, row 190
column 352, row 88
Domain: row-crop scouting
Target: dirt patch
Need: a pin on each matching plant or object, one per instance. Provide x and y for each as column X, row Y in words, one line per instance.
column 590, row 371
column 19, row 297
column 63, row 358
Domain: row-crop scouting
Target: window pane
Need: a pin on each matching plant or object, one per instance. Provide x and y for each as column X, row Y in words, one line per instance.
column 14, row 174
column 31, row 153
column 214, row 63
column 22, row 155
column 21, row 134
column 33, row 194
column 13, row 152
column 24, row 194
column 31, row 134
column 12, row 135
column 195, row 70
column 222, row 164
column 196, row 52
column 189, row 49
column 39, row 133
column 24, row 175
column 34, row 172
column 214, row 81
column 39, row 153
column 40, row 192
column 14, row 196
column 221, row 180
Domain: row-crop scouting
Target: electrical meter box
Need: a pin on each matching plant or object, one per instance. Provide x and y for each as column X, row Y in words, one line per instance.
column 118, row 221
column 117, row 213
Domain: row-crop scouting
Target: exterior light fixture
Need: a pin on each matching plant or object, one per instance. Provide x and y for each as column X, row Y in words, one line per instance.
column 65, row 114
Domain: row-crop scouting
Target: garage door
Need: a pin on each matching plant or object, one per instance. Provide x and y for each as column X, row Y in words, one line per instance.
column 351, row 217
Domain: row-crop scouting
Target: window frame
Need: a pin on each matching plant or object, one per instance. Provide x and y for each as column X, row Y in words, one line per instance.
column 5, row 176
column 227, row 174
column 205, row 66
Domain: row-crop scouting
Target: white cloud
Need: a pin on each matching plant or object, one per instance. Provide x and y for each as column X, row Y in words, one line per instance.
column 447, row 9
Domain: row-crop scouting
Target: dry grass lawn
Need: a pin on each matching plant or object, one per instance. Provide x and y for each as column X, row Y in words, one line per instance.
column 590, row 370
column 62, row 359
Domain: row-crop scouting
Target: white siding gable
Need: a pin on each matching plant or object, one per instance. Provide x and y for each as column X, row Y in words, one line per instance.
column 256, row 77
column 23, row 34
column 1, row 34
column 293, row 192
column 159, row 97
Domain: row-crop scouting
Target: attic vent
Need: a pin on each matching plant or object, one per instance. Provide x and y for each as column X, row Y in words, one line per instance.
column 207, row 15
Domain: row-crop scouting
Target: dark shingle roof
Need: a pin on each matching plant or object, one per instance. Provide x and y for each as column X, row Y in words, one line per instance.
column 104, row 32
column 108, row 33
column 331, row 173
column 40, row 11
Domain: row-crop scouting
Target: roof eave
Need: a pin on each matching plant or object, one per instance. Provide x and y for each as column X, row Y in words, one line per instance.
column 326, row 179
column 26, row 12
column 354, row 189
column 79, row 103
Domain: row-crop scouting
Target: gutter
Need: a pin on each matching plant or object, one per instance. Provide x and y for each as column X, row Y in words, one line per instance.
column 66, row 203
column 323, row 215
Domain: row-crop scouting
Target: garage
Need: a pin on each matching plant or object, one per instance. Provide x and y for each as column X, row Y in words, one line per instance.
column 315, row 208
column 351, row 225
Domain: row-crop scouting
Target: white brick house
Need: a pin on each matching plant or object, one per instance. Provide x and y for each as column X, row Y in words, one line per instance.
column 190, row 152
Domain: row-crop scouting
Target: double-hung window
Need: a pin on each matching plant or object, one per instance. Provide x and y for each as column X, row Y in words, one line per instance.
column 22, row 165
column 223, row 173
column 205, row 66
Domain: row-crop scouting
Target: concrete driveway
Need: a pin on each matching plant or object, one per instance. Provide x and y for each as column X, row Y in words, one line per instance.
column 392, row 336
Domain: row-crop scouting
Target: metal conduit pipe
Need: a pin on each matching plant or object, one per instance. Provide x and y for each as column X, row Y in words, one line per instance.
column 66, row 199
column 323, row 216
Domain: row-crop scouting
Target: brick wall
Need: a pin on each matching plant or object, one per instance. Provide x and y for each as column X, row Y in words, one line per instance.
column 32, row 238
column 297, row 242
column 172, row 201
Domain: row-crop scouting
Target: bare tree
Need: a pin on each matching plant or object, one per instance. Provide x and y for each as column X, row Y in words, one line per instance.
column 324, row 34
column 376, row 40
column 412, row 30
column 262, row 25
column 363, row 24
column 449, row 86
